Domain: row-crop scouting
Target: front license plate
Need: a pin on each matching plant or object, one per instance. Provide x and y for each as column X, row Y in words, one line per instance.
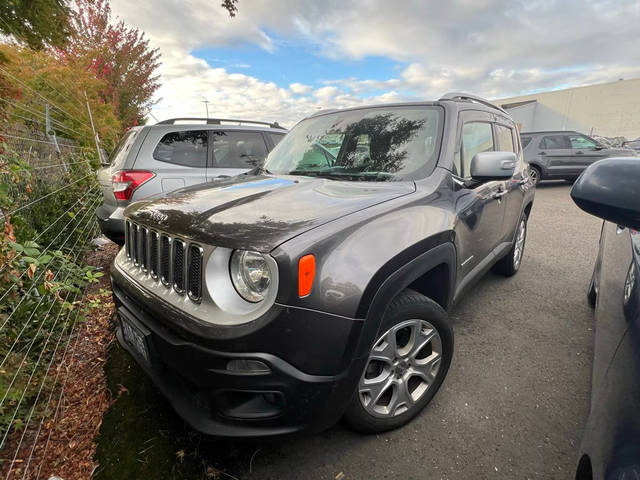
column 135, row 339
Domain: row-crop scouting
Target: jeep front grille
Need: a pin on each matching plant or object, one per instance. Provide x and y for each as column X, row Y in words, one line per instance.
column 165, row 259
column 154, row 254
column 194, row 280
column 176, row 263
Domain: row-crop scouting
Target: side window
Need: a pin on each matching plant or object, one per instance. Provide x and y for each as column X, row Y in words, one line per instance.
column 560, row 142
column 238, row 149
column 275, row 138
column 187, row 148
column 504, row 139
column 579, row 142
column 525, row 141
column 476, row 137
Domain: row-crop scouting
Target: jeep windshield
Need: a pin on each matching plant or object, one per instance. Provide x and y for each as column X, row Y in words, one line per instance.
column 369, row 144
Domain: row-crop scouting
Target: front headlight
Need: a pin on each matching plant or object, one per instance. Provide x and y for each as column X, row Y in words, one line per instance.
column 250, row 275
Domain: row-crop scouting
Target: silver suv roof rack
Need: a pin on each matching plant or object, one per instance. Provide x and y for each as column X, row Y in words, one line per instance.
column 471, row 98
column 218, row 121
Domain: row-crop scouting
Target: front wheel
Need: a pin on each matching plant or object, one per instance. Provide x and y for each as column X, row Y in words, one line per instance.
column 406, row 365
column 510, row 263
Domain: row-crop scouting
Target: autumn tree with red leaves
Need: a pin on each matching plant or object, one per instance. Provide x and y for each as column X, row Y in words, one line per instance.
column 117, row 54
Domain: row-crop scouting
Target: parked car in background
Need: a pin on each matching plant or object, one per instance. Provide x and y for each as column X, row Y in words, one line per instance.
column 563, row 154
column 153, row 160
column 610, row 189
column 633, row 145
column 317, row 287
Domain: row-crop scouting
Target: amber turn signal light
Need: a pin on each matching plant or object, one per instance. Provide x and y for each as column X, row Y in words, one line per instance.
column 306, row 272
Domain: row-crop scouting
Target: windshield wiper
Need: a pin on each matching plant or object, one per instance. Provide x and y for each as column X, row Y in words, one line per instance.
column 350, row 176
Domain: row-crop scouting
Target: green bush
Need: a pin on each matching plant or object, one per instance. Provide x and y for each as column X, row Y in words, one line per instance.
column 41, row 282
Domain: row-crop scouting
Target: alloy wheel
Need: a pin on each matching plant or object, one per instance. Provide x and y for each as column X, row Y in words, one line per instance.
column 519, row 246
column 402, row 366
column 533, row 176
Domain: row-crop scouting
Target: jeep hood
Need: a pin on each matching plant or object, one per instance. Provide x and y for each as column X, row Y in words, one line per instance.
column 260, row 212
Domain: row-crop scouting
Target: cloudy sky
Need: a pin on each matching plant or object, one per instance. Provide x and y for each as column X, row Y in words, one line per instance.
column 284, row 59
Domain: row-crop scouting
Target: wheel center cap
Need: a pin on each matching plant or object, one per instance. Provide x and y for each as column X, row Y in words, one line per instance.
column 400, row 367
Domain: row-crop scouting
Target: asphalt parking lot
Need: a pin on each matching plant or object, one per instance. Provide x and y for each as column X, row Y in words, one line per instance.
column 513, row 405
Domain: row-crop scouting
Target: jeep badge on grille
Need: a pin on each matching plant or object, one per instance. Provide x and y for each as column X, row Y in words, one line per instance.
column 158, row 217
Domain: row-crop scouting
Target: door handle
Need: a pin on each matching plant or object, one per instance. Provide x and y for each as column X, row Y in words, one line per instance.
column 542, row 153
column 499, row 194
column 579, row 153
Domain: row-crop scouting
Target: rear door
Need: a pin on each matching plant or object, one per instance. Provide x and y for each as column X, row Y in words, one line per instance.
column 179, row 160
column 585, row 152
column 555, row 151
column 507, row 141
column 234, row 152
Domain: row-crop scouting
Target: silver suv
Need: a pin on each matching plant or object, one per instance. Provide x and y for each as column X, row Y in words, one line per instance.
column 151, row 161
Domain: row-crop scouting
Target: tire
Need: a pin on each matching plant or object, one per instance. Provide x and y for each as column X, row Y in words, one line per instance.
column 535, row 175
column 510, row 263
column 408, row 374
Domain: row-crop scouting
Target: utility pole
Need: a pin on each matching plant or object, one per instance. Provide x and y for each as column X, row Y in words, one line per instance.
column 206, row 106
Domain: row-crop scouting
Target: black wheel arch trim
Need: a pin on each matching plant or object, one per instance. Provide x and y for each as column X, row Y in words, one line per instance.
column 397, row 275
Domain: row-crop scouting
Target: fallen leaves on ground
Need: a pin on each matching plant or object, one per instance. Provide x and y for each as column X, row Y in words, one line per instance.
column 63, row 443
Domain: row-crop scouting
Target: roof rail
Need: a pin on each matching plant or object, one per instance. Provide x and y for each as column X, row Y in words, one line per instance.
column 323, row 111
column 218, row 121
column 472, row 98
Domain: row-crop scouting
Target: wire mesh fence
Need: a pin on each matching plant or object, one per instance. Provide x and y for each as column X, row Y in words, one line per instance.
column 48, row 196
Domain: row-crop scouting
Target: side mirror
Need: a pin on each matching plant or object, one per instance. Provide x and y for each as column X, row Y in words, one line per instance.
column 493, row 165
column 599, row 146
column 610, row 189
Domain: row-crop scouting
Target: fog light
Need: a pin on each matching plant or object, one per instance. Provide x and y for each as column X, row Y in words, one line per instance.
column 248, row 366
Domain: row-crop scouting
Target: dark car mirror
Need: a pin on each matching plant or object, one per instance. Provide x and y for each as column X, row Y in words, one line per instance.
column 610, row 189
column 599, row 146
column 493, row 165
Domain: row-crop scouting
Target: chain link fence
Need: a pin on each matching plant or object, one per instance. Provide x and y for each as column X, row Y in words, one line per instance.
column 48, row 195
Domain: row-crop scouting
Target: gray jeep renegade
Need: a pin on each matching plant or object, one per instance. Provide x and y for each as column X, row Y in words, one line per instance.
column 317, row 286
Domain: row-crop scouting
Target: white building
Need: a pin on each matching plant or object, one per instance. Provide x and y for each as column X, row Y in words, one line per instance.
column 606, row 109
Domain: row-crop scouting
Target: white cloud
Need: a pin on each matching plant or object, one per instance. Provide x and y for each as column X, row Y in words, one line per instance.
column 494, row 48
column 300, row 88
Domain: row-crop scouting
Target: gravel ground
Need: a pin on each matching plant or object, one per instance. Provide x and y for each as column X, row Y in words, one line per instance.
column 513, row 405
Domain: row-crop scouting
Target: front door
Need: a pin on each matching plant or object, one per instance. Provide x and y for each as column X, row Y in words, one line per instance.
column 479, row 204
column 585, row 152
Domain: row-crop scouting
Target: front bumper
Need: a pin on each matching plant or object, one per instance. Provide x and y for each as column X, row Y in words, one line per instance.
column 194, row 375
column 111, row 221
